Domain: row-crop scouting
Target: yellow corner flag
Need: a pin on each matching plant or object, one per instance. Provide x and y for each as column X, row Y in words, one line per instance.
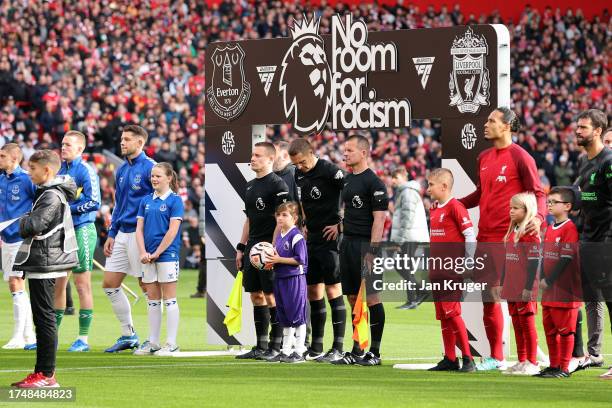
column 361, row 334
column 233, row 319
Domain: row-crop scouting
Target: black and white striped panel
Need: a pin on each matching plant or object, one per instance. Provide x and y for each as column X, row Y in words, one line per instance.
column 228, row 153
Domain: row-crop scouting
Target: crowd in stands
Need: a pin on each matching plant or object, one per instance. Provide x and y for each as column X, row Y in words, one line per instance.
column 95, row 66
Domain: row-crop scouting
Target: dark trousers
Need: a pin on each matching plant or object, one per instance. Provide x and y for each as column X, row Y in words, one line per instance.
column 42, row 293
column 202, row 270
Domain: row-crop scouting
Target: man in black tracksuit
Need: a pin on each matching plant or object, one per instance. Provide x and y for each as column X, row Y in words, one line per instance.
column 48, row 251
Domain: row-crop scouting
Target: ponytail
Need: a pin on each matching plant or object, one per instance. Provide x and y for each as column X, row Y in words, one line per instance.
column 169, row 171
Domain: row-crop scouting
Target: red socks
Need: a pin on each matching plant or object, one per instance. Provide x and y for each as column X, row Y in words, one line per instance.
column 531, row 337
column 461, row 337
column 567, row 347
column 448, row 338
column 454, row 334
column 493, row 320
column 521, row 349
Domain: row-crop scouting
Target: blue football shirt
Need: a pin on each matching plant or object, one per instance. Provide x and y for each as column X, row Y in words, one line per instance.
column 157, row 211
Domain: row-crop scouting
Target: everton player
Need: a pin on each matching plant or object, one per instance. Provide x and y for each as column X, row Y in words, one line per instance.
column 450, row 225
column 16, row 195
column 504, row 170
column 365, row 203
column 320, row 183
column 263, row 195
column 121, row 248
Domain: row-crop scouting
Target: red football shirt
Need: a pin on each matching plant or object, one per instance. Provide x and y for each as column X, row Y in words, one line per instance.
column 561, row 241
column 503, row 173
column 515, row 269
column 447, row 223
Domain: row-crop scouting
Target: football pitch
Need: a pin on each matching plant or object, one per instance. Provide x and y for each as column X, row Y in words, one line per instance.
column 411, row 336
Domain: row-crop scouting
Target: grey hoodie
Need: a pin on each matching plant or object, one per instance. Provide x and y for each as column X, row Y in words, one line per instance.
column 409, row 223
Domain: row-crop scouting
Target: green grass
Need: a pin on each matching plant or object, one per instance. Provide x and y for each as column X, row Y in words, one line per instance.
column 410, row 336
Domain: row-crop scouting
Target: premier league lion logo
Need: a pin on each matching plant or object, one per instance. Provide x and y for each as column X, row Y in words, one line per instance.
column 306, row 79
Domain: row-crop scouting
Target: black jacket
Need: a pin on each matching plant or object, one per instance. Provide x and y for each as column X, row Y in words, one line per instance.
column 48, row 255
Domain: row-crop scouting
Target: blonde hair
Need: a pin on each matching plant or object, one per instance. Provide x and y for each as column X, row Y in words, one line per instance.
column 529, row 203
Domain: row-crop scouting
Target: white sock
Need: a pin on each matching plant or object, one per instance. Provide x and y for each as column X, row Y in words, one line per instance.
column 28, row 331
column 84, row 339
column 300, row 339
column 155, row 315
column 123, row 310
column 288, row 340
column 19, row 313
column 172, row 320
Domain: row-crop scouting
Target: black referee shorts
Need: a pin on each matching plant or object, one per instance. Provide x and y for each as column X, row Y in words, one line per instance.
column 352, row 268
column 323, row 262
column 253, row 279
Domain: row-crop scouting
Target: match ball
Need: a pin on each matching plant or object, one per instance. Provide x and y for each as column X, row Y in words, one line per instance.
column 260, row 254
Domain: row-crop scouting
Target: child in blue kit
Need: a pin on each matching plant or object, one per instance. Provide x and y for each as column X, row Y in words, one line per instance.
column 159, row 219
column 290, row 264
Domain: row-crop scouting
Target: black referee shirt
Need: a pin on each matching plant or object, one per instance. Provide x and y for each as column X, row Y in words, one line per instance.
column 362, row 194
column 263, row 195
column 319, row 191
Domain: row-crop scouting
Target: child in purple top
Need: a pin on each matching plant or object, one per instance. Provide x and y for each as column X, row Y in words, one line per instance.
column 290, row 283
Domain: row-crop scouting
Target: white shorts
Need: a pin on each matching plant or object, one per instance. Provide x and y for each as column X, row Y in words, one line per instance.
column 9, row 252
column 126, row 256
column 162, row 272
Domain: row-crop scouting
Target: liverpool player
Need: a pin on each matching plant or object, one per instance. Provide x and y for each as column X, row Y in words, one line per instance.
column 504, row 170
column 450, row 226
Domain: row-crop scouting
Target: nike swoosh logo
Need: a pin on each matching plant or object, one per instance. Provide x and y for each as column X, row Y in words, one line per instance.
column 521, row 308
column 483, row 168
column 248, row 188
column 300, row 177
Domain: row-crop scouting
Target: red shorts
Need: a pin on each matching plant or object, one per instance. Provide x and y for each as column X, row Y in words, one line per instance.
column 522, row 308
column 559, row 320
column 493, row 257
column 447, row 310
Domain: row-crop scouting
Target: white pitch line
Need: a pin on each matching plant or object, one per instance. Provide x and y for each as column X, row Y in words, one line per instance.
column 144, row 366
column 219, row 364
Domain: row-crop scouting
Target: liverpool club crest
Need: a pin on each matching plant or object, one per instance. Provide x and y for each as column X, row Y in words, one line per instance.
column 229, row 91
column 469, row 81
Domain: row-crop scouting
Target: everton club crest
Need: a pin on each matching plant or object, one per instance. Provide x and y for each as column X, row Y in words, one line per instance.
column 229, row 91
column 469, row 81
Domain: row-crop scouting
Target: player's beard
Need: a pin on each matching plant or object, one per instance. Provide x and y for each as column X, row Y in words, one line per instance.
column 584, row 141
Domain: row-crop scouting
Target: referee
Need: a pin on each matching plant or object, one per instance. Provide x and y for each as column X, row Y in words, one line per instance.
column 320, row 183
column 595, row 183
column 365, row 201
column 263, row 195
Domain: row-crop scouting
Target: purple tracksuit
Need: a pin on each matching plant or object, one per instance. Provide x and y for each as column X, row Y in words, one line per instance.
column 290, row 280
